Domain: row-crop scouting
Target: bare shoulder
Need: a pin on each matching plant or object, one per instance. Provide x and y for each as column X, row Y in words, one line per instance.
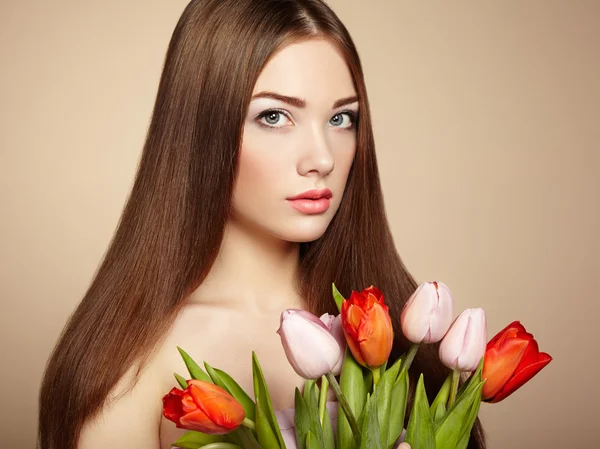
column 129, row 417
column 132, row 415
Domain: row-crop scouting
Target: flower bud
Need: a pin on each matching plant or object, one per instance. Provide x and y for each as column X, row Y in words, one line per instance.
column 512, row 358
column 368, row 327
column 464, row 345
column 310, row 346
column 428, row 314
column 203, row 407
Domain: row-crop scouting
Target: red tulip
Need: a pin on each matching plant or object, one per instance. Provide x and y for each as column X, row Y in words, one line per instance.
column 368, row 327
column 511, row 359
column 204, row 407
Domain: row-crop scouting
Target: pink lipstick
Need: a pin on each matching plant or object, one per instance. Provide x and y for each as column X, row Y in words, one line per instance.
column 312, row 201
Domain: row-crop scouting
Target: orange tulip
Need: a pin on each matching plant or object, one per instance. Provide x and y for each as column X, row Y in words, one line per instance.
column 511, row 359
column 368, row 327
column 204, row 407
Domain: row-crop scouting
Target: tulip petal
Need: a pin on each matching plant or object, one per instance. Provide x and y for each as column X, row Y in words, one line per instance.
column 376, row 336
column 416, row 314
column 442, row 315
column 530, row 356
column 338, row 333
column 522, row 377
column 197, row 420
column 453, row 342
column 500, row 365
column 355, row 349
column 172, row 409
column 514, row 325
column 219, row 406
column 327, row 320
column 353, row 319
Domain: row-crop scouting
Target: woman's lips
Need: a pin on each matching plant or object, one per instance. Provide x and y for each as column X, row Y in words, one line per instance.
column 308, row 206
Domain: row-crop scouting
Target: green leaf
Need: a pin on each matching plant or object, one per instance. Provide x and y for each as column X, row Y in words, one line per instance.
column 313, row 408
column 193, row 368
column 328, row 435
column 368, row 377
column 311, row 399
column 469, row 422
column 337, row 296
column 302, row 420
column 308, row 386
column 471, row 382
column 181, row 381
column 438, row 407
column 382, row 396
column 352, row 384
column 311, row 441
column 262, row 392
column 264, row 432
column 225, row 381
column 194, row 440
column 246, row 438
column 398, row 401
column 419, row 433
column 371, row 433
column 459, row 419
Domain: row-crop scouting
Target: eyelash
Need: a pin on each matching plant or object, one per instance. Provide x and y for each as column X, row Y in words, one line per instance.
column 353, row 117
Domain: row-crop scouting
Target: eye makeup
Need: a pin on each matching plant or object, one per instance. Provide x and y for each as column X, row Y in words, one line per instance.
column 352, row 114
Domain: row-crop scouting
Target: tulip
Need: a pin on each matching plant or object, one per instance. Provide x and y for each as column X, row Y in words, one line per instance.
column 368, row 327
column 428, row 314
column 310, row 343
column 511, row 359
column 463, row 346
column 203, row 407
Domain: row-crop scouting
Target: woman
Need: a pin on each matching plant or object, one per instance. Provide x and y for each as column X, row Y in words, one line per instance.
column 211, row 246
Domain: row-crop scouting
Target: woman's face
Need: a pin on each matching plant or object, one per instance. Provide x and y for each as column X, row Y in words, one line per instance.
column 299, row 135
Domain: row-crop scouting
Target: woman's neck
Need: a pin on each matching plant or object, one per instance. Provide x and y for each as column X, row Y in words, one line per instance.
column 252, row 270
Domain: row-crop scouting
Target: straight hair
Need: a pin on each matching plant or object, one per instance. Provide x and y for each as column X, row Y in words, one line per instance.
column 165, row 242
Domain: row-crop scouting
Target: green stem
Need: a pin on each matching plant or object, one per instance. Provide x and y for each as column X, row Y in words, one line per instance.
column 376, row 375
column 345, row 407
column 453, row 388
column 409, row 357
column 323, row 398
column 248, row 423
column 221, row 445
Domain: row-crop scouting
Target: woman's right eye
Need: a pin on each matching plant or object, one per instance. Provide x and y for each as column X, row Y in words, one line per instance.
column 271, row 118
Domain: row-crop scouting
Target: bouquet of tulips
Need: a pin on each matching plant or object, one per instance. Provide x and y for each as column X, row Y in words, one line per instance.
column 372, row 396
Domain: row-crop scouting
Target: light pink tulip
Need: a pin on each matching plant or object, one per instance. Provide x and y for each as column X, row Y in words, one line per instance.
column 312, row 345
column 428, row 313
column 334, row 324
column 464, row 345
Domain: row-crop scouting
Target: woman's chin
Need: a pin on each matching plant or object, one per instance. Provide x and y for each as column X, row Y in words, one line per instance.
column 303, row 234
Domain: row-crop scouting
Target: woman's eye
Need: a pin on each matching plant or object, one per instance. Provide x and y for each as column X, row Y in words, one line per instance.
column 339, row 122
column 271, row 118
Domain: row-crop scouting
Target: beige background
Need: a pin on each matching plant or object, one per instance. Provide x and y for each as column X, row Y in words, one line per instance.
column 487, row 123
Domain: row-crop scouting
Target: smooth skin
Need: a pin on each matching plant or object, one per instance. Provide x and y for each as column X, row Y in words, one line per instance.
column 237, row 308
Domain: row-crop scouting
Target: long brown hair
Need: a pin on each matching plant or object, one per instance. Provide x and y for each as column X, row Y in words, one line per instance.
column 166, row 241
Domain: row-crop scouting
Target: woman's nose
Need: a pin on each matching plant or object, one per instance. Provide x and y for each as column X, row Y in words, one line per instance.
column 316, row 154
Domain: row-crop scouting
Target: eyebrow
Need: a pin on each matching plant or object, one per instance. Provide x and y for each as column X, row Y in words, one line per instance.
column 299, row 102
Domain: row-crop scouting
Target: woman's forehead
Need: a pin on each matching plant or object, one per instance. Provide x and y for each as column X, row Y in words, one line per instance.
column 311, row 70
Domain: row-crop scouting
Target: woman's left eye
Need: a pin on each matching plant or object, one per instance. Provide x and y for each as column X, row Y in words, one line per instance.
column 350, row 123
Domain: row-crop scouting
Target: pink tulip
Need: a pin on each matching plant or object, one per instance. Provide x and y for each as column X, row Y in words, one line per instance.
column 463, row 347
column 428, row 313
column 313, row 346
